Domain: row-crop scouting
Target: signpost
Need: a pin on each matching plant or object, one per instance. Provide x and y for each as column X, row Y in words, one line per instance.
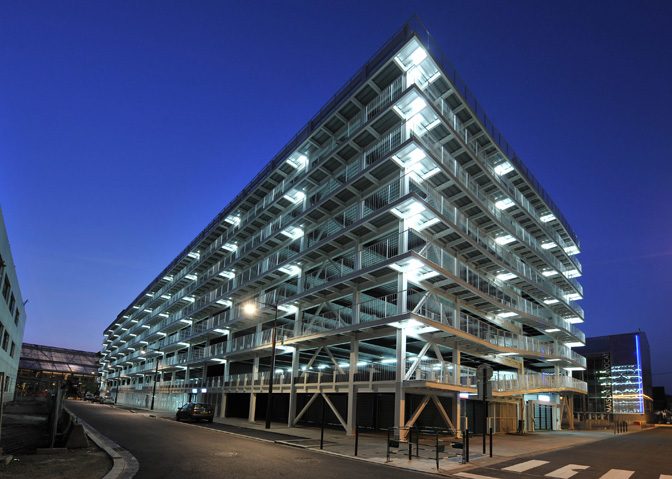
column 483, row 375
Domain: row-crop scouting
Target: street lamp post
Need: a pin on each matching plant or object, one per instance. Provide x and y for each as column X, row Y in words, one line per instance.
column 250, row 308
column 269, row 402
column 156, row 373
column 116, row 396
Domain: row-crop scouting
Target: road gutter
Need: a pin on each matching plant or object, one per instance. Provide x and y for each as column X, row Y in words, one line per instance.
column 124, row 464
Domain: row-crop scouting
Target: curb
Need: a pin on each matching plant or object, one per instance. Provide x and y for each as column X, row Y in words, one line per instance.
column 124, row 464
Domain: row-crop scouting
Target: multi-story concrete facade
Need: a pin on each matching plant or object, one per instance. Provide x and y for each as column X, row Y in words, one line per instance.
column 400, row 242
column 12, row 316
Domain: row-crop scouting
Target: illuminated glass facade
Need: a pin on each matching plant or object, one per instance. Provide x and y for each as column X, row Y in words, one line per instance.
column 618, row 375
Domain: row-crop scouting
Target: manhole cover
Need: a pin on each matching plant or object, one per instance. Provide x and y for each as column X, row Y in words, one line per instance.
column 227, row 454
column 306, row 459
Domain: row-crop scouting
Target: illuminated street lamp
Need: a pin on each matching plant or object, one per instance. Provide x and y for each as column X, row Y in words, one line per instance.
column 250, row 309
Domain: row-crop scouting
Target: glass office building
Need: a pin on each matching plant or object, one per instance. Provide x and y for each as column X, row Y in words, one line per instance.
column 393, row 246
column 618, row 376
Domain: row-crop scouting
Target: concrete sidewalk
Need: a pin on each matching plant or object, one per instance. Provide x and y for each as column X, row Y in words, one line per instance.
column 373, row 444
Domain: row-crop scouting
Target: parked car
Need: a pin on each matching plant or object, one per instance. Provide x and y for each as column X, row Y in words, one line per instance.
column 106, row 400
column 195, row 412
column 89, row 396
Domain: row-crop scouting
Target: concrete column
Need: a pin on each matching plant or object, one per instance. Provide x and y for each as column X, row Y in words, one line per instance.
column 456, row 314
column 222, row 406
column 351, row 421
column 399, row 393
column 227, row 370
column 227, row 374
column 457, row 368
column 456, row 410
column 456, row 413
column 291, row 416
column 356, row 300
column 253, row 396
column 402, row 288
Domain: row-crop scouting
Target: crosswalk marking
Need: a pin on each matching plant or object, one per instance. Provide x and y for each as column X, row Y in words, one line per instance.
column 469, row 475
column 525, row 466
column 565, row 472
column 617, row 474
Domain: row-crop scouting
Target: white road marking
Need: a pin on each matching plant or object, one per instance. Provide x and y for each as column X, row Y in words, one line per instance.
column 469, row 475
column 525, row 466
column 565, row 472
column 617, row 474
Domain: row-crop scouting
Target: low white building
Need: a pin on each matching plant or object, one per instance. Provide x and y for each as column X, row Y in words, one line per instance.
column 12, row 317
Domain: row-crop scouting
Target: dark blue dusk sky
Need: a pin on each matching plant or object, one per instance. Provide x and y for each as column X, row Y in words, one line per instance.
column 126, row 126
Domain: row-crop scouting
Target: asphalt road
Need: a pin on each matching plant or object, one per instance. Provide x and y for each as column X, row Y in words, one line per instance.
column 168, row 449
column 646, row 454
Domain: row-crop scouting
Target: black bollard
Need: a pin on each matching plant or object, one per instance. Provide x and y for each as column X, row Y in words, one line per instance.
column 356, row 438
column 324, row 410
column 410, row 444
column 466, row 438
column 417, row 443
column 388, row 445
column 490, row 442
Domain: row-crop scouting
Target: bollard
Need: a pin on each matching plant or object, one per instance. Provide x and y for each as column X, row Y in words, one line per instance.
column 417, row 443
column 410, row 444
column 437, row 451
column 388, row 445
column 466, row 438
column 324, row 410
column 356, row 438
column 490, row 442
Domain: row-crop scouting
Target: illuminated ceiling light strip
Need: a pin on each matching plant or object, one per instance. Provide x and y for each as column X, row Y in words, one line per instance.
column 298, row 161
column 504, row 239
column 230, row 247
column 418, row 55
column 293, row 232
column 295, row 197
column 547, row 217
column 503, row 168
column 233, row 220
column 504, row 204
column 572, row 273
